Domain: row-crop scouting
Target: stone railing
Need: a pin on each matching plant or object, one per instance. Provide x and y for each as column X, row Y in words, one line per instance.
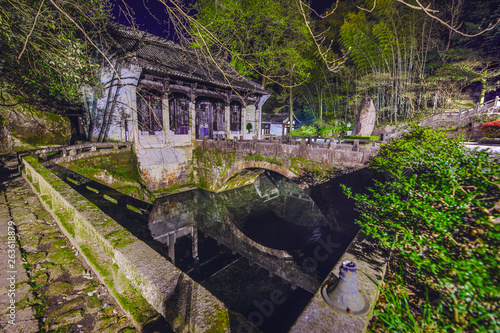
column 73, row 152
column 123, row 262
column 486, row 107
column 330, row 150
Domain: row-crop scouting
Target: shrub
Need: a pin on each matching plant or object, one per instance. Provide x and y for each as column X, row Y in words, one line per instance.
column 439, row 213
column 331, row 131
column 304, row 131
column 491, row 129
column 354, row 137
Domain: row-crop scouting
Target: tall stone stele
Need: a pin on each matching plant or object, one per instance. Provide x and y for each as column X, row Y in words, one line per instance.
column 365, row 120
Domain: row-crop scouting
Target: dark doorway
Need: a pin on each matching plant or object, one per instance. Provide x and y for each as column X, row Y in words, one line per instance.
column 149, row 113
column 204, row 118
column 210, row 119
column 179, row 114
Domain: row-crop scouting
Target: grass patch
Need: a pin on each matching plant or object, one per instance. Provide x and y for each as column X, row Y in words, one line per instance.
column 92, row 189
column 117, row 170
column 110, row 199
column 354, row 137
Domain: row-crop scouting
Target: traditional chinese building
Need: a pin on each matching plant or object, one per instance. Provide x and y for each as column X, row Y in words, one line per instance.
column 277, row 124
column 163, row 97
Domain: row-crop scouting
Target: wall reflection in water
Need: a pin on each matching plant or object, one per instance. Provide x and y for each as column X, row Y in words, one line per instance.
column 244, row 244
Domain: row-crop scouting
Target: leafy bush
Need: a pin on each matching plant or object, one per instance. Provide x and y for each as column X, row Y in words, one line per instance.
column 439, row 213
column 322, row 130
column 354, row 137
column 304, row 131
column 332, row 131
column 491, row 129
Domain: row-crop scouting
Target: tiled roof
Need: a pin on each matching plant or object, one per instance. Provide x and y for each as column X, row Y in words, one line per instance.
column 276, row 117
column 158, row 54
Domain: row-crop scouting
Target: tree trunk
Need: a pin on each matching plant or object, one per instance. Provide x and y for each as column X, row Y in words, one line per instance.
column 291, row 103
column 483, row 91
column 321, row 107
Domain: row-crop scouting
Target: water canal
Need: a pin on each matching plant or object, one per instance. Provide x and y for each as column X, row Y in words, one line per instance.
column 262, row 249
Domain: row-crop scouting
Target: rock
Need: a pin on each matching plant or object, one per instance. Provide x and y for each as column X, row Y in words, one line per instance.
column 70, row 317
column 58, row 288
column 64, row 256
column 105, row 322
column 75, row 304
column 54, row 271
column 35, row 257
column 74, row 268
column 93, row 304
column 365, row 120
column 6, row 142
column 33, row 125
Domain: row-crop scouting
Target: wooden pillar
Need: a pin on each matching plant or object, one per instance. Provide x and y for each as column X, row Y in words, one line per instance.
column 258, row 120
column 171, row 247
column 192, row 117
column 165, row 108
column 243, row 117
column 194, row 236
column 227, row 120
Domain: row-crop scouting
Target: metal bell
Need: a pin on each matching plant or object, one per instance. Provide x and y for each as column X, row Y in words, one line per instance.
column 344, row 297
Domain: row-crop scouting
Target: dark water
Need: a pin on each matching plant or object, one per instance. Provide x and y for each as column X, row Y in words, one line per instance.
column 263, row 249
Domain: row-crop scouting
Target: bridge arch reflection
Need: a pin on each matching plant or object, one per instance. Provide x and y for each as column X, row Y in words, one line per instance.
column 272, row 223
column 246, row 172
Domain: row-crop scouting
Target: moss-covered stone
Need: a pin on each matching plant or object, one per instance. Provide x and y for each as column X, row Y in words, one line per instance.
column 33, row 126
column 74, row 268
column 219, row 322
column 105, row 322
column 58, row 288
column 54, row 271
column 35, row 257
column 76, row 303
column 70, row 317
column 93, row 303
column 62, row 256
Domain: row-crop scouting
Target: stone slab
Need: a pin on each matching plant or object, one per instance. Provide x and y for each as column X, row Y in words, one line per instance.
column 371, row 262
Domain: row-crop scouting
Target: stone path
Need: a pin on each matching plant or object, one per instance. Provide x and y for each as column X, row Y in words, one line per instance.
column 53, row 288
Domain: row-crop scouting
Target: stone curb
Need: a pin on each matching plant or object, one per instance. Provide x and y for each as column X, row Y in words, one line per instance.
column 124, row 263
column 58, row 293
column 372, row 264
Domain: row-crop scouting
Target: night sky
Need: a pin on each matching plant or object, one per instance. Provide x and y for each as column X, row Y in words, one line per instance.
column 159, row 26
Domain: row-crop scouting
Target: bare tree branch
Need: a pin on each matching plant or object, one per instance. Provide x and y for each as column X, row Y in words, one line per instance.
column 429, row 12
column 31, row 31
column 332, row 65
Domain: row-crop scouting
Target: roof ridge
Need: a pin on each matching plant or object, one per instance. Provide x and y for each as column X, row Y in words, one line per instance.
column 153, row 40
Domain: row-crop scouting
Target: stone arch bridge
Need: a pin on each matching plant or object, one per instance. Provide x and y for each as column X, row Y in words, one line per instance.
column 221, row 165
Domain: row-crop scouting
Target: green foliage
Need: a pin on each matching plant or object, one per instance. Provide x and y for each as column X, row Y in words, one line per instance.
column 304, row 131
column 332, row 131
column 249, row 128
column 322, row 130
column 265, row 39
column 57, row 58
column 439, row 212
column 373, row 137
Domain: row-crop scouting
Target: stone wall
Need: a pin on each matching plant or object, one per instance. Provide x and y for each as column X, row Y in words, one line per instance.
column 217, row 162
column 166, row 167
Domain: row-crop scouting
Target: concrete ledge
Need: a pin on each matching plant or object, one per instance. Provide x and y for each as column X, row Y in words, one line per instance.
column 125, row 264
column 371, row 262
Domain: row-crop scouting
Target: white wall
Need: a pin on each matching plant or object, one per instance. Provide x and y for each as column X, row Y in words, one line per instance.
column 124, row 111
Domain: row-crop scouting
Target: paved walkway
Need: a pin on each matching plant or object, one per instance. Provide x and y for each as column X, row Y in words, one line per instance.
column 53, row 288
column 494, row 149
